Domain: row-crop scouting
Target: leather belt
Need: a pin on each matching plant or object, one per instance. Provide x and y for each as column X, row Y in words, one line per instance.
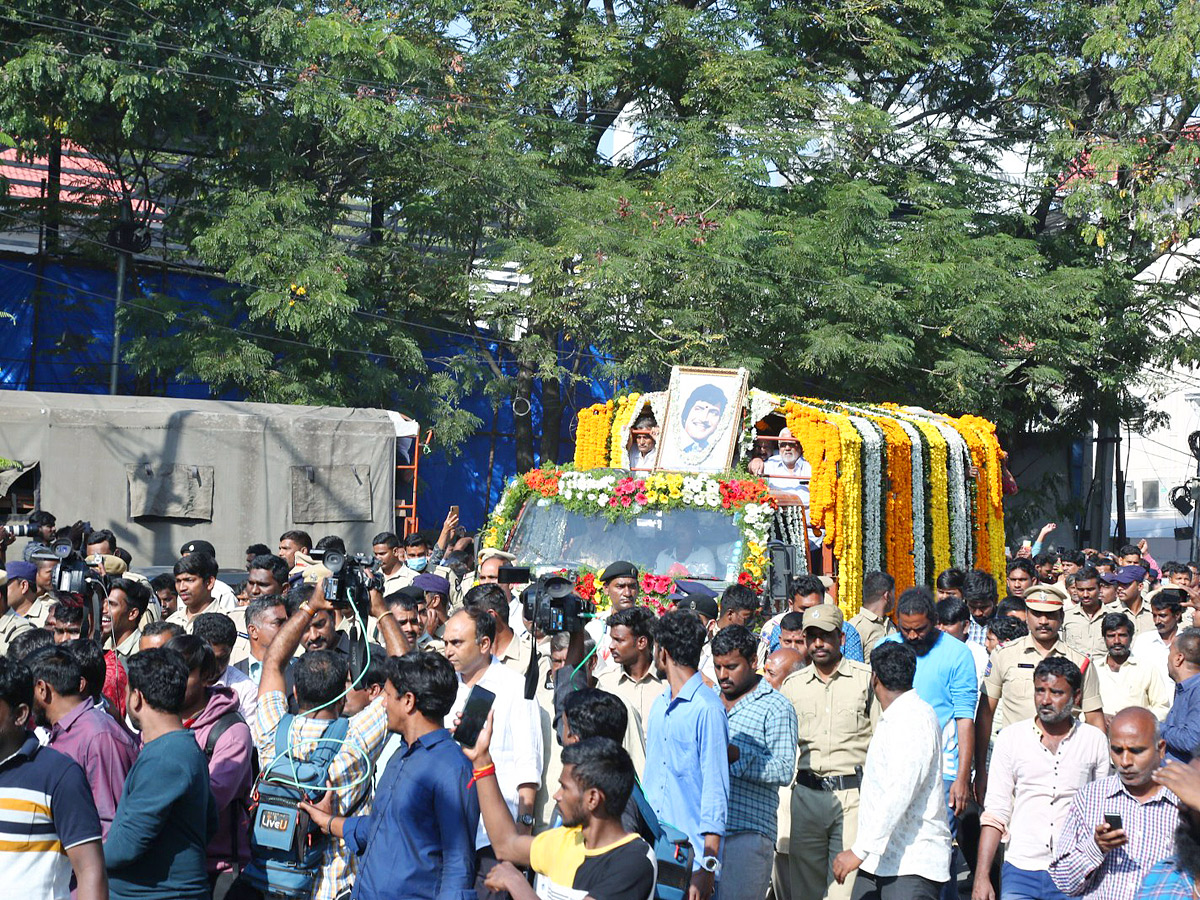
column 815, row 782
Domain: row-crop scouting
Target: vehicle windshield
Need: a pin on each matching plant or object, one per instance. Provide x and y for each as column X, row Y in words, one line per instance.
column 707, row 544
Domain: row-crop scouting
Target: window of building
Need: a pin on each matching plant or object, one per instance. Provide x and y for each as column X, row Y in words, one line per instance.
column 1150, row 496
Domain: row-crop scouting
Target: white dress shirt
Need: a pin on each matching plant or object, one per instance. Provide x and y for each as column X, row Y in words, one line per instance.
column 902, row 828
column 246, row 689
column 516, row 747
column 1151, row 649
column 1031, row 788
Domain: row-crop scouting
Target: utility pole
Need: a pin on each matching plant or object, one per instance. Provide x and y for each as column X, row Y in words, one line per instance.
column 1194, row 490
column 1120, row 495
column 126, row 239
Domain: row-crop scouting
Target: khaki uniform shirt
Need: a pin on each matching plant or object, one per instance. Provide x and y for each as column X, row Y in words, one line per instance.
column 1135, row 683
column 1143, row 621
column 12, row 625
column 127, row 647
column 1082, row 631
column 516, row 654
column 38, row 612
column 872, row 628
column 836, row 718
column 1009, row 678
column 181, row 618
column 639, row 694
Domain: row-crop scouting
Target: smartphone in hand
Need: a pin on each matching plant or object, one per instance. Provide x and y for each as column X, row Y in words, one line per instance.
column 474, row 715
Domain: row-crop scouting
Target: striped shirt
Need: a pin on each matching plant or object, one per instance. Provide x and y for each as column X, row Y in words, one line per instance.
column 1080, row 869
column 762, row 725
column 46, row 809
column 349, row 774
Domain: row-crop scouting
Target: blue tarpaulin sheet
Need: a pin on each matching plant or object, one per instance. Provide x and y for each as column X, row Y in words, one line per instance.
column 59, row 338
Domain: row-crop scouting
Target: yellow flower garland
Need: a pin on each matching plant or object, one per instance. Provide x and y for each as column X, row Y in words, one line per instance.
column 989, row 500
column 819, row 438
column 591, row 436
column 626, row 411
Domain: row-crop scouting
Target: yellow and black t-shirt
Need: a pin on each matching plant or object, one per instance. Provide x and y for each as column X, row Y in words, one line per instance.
column 567, row 870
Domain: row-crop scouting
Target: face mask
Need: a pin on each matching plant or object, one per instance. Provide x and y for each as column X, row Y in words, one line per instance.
column 417, row 563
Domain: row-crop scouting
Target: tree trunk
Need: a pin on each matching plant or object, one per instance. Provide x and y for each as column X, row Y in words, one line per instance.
column 552, row 411
column 523, row 414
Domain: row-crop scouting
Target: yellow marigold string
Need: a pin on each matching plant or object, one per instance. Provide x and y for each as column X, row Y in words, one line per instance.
column 592, row 435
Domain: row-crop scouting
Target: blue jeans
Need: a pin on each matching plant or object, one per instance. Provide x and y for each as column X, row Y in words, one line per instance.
column 950, row 888
column 1021, row 884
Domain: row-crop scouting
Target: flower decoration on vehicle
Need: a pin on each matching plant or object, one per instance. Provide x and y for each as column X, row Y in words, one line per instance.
column 617, row 495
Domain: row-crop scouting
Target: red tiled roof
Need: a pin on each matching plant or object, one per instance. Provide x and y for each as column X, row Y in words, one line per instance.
column 85, row 180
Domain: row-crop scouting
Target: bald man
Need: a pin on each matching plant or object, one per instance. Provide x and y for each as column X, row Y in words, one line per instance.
column 782, row 663
column 1086, row 862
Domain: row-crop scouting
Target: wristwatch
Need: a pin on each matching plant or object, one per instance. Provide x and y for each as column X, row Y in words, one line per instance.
column 711, row 864
column 525, row 819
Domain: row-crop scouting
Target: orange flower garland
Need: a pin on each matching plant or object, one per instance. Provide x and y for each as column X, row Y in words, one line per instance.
column 898, row 506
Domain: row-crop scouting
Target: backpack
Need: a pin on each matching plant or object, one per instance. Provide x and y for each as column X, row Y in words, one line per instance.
column 237, row 808
column 285, row 849
column 672, row 849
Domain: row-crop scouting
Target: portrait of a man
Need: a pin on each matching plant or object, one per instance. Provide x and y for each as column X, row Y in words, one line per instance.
column 701, row 415
column 702, row 419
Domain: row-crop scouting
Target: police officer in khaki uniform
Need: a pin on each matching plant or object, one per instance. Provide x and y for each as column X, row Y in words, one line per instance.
column 1130, row 601
column 1081, row 623
column 1008, row 681
column 11, row 624
column 835, row 709
column 872, row 622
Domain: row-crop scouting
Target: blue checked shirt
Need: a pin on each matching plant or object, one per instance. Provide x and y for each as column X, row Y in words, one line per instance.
column 762, row 725
column 976, row 633
column 348, row 774
column 1166, row 881
column 1081, row 870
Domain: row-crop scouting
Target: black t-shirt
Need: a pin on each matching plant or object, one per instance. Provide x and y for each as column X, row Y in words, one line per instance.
column 566, row 870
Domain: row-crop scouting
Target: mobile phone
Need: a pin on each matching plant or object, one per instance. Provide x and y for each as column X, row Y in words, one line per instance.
column 514, row 575
column 1113, row 820
column 454, row 510
column 474, row 715
column 1028, row 544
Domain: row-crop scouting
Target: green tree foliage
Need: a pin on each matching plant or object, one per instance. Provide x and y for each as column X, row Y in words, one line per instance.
column 817, row 193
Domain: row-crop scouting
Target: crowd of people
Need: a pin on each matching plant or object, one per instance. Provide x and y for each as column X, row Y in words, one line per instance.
column 197, row 737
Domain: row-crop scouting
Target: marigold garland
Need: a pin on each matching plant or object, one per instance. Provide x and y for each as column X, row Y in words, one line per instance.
column 627, row 409
column 592, row 435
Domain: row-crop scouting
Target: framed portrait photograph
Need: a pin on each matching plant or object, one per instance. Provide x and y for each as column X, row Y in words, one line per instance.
column 704, row 411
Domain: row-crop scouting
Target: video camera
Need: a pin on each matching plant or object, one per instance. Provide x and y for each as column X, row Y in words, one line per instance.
column 552, row 605
column 74, row 576
column 351, row 582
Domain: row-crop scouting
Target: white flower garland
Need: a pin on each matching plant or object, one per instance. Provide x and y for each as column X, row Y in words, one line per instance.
column 872, row 493
column 961, row 549
column 788, row 527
